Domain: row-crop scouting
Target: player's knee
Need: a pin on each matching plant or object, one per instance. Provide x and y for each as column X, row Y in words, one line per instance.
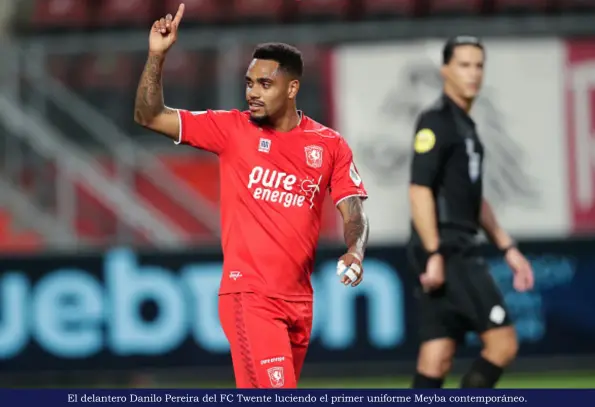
column 501, row 346
column 435, row 358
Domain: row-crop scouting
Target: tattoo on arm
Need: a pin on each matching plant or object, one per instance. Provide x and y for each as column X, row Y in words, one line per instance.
column 355, row 224
column 149, row 95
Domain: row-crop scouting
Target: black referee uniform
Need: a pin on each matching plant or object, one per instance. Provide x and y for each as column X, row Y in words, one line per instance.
column 448, row 159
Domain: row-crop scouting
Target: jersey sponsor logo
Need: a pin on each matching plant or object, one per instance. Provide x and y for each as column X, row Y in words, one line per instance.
column 425, row 139
column 313, row 156
column 283, row 188
column 264, row 146
column 310, row 188
column 276, row 376
column 354, row 175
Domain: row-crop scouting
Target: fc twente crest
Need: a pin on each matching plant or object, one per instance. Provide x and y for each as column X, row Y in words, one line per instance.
column 276, row 376
column 313, row 156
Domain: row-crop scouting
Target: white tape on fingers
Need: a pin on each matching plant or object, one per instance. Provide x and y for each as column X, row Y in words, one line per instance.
column 356, row 267
column 340, row 268
column 351, row 274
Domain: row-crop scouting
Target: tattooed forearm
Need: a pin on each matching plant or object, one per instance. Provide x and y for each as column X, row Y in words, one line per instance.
column 149, row 95
column 355, row 224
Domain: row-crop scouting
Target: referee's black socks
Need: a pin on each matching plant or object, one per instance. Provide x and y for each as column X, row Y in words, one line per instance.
column 483, row 374
column 424, row 382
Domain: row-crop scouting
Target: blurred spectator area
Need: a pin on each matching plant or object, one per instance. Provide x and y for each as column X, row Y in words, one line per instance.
column 97, row 14
column 108, row 81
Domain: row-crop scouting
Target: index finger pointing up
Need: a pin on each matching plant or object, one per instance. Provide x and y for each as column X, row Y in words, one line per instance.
column 179, row 14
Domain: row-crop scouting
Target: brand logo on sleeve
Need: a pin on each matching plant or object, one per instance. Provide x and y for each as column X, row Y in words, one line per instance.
column 354, row 175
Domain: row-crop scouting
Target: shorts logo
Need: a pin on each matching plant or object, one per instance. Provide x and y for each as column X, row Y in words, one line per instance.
column 277, row 359
column 234, row 275
column 314, row 156
column 276, row 376
column 497, row 315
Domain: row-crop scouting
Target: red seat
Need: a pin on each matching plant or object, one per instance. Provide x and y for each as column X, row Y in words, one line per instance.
column 61, row 13
column 182, row 67
column 520, row 5
column 60, row 67
column 107, row 71
column 455, row 6
column 323, row 8
column 204, row 11
column 312, row 57
column 128, row 11
column 389, row 7
column 258, row 9
column 575, row 5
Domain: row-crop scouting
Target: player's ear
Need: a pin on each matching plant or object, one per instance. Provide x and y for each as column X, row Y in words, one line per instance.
column 444, row 71
column 293, row 89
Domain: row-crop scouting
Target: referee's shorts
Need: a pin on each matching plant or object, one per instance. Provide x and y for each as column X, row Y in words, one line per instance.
column 469, row 299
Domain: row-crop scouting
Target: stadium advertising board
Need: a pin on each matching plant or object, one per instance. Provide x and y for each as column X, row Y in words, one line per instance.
column 123, row 309
column 580, row 130
column 380, row 89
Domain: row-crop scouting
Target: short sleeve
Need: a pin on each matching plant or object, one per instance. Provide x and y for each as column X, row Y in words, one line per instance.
column 208, row 130
column 428, row 148
column 345, row 179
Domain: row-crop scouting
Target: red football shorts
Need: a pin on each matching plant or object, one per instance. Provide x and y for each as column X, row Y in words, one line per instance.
column 268, row 338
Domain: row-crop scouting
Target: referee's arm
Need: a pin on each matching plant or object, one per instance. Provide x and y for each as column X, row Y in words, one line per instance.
column 427, row 158
column 490, row 226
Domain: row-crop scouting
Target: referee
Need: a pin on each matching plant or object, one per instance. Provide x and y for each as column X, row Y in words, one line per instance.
column 457, row 293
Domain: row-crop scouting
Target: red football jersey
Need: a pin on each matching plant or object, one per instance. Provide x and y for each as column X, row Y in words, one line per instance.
column 273, row 185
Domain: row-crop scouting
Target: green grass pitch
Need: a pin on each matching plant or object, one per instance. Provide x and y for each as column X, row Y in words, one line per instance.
column 572, row 380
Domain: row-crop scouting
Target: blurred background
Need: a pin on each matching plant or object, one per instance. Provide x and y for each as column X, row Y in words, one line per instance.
column 109, row 234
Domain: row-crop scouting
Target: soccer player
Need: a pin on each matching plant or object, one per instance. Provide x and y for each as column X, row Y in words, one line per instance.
column 457, row 293
column 276, row 165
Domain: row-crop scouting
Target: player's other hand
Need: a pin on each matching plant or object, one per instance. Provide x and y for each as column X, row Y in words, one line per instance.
column 164, row 32
column 433, row 277
column 350, row 269
column 521, row 268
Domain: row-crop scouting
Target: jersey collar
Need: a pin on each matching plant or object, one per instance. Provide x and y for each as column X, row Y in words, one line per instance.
column 457, row 109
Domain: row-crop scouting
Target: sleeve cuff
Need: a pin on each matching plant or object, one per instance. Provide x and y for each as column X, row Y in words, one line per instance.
column 342, row 198
column 179, row 140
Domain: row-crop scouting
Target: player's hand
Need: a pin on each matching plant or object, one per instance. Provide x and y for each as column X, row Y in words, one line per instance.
column 164, row 32
column 521, row 268
column 433, row 277
column 350, row 269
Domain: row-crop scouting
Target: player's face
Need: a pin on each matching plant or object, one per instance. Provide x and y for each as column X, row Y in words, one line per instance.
column 268, row 90
column 464, row 73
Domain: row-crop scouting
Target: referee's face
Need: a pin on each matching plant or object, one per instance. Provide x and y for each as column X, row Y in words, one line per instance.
column 464, row 73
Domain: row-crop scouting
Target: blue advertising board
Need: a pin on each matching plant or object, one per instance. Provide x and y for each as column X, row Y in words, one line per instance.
column 124, row 309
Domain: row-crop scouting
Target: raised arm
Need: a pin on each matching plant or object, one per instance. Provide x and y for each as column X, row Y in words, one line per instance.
column 149, row 108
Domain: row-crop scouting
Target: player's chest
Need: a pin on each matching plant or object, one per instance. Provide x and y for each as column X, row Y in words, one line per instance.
column 468, row 156
column 288, row 156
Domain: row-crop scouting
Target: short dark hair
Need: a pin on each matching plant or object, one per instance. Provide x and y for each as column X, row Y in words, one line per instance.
column 455, row 42
column 288, row 57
